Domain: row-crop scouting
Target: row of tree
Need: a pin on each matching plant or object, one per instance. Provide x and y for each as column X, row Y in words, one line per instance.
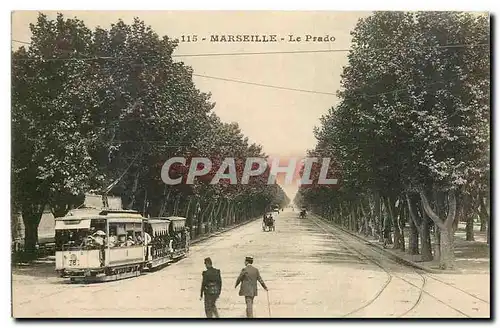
column 101, row 111
column 410, row 137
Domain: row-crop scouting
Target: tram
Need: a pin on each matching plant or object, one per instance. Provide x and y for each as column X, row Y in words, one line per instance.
column 96, row 245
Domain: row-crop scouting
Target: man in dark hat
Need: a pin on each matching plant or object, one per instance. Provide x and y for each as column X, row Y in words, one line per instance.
column 211, row 287
column 248, row 278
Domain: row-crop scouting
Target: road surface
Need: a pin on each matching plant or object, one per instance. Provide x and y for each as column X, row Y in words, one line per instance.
column 311, row 268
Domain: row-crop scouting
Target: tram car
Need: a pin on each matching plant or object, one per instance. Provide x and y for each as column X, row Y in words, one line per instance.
column 169, row 240
column 180, row 237
column 101, row 245
column 96, row 245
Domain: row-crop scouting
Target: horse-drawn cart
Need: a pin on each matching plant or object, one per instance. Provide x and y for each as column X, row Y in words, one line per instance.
column 268, row 223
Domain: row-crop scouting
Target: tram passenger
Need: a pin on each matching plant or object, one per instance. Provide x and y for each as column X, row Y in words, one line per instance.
column 122, row 241
column 98, row 238
column 171, row 245
column 147, row 239
column 138, row 238
column 178, row 240
column 130, row 241
column 112, row 240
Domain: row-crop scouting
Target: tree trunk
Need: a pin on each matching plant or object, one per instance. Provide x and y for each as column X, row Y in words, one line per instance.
column 363, row 227
column 134, row 190
column 483, row 223
column 352, row 219
column 401, row 225
column 469, row 229
column 32, row 214
column 488, row 231
column 367, row 219
column 425, row 239
column 394, row 220
column 145, row 205
column 176, row 205
column 377, row 217
column 218, row 215
column 483, row 213
column 446, row 227
column 421, row 223
column 387, row 230
column 413, row 239
column 415, row 227
column 447, row 260
column 437, row 243
column 201, row 217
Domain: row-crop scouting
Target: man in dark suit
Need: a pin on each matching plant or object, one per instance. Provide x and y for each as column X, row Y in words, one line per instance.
column 211, row 287
column 248, row 279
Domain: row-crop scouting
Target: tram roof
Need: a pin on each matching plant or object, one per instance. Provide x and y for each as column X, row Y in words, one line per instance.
column 93, row 213
column 176, row 218
column 157, row 220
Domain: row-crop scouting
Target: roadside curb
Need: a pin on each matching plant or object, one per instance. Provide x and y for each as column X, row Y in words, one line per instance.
column 199, row 240
column 392, row 255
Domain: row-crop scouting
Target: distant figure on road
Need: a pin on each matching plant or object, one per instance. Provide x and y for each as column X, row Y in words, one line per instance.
column 387, row 236
column 248, row 279
column 211, row 287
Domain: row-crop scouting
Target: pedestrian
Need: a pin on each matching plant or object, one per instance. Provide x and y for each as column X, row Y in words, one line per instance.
column 387, row 235
column 211, row 287
column 248, row 278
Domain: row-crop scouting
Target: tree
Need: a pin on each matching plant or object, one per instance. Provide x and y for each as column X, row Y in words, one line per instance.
column 49, row 110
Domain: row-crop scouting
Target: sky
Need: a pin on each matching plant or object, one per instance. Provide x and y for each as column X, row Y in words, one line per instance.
column 282, row 121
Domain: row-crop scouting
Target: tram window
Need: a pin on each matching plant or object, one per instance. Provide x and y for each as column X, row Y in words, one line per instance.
column 98, row 224
column 112, row 235
column 120, row 229
column 74, row 238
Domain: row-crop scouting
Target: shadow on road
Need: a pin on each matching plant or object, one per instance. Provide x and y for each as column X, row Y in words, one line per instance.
column 38, row 272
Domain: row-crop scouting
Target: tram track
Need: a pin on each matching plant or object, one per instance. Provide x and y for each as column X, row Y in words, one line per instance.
column 455, row 287
column 427, row 275
column 386, row 283
column 421, row 288
column 357, row 254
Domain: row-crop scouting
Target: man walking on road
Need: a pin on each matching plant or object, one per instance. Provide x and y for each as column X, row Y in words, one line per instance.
column 248, row 279
column 211, row 287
